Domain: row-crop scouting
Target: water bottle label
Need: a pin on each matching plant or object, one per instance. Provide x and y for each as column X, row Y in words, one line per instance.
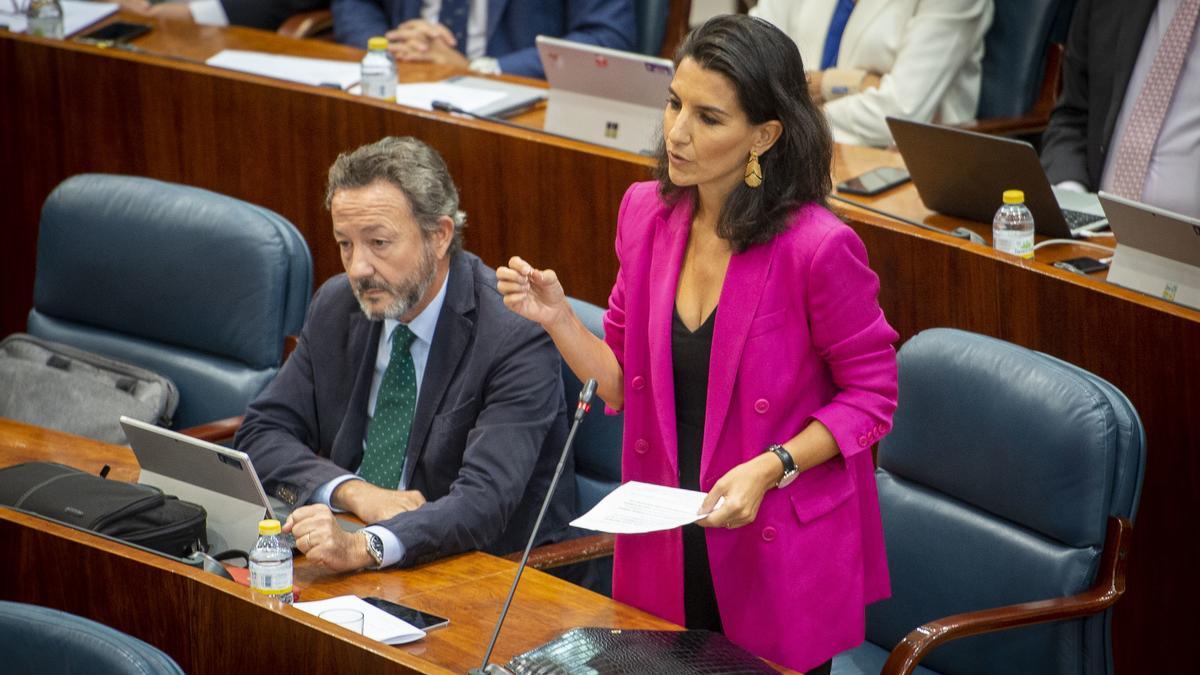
column 1014, row 242
column 274, row 580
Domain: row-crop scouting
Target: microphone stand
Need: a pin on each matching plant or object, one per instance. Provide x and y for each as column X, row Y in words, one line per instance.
column 585, row 399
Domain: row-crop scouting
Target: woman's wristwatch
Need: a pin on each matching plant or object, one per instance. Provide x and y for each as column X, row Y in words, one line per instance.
column 789, row 465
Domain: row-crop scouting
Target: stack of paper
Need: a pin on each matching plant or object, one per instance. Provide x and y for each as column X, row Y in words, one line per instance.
column 317, row 72
column 377, row 624
column 423, row 95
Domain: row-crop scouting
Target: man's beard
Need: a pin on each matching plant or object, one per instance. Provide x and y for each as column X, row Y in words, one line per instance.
column 407, row 293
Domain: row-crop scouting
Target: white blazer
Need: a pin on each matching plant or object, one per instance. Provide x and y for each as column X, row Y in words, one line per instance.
column 928, row 52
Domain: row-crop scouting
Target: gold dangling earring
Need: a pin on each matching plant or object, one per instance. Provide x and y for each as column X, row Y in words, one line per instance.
column 754, row 176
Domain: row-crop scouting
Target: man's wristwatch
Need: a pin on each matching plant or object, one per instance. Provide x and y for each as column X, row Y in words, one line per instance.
column 789, row 465
column 374, row 546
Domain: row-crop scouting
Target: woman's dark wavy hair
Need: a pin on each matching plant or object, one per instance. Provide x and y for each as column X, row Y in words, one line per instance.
column 764, row 66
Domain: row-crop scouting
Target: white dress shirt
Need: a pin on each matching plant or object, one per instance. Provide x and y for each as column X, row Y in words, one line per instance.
column 208, row 12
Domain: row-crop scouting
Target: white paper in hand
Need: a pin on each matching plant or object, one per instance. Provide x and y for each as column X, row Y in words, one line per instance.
column 377, row 624
column 635, row 508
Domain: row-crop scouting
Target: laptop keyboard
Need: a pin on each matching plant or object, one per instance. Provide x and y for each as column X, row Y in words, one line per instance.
column 1078, row 219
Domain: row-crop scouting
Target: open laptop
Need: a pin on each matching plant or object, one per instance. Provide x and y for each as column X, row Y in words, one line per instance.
column 963, row 173
column 605, row 96
column 220, row 479
column 1158, row 252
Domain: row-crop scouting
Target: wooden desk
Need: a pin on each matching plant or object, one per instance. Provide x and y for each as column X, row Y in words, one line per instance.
column 211, row 625
column 74, row 108
column 70, row 108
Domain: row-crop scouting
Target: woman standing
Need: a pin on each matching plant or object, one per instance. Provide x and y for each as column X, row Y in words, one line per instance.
column 745, row 342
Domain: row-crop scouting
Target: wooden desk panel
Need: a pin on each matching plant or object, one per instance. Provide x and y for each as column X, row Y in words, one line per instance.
column 75, row 108
column 212, row 625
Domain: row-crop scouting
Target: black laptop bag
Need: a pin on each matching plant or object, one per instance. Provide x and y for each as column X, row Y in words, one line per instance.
column 138, row 514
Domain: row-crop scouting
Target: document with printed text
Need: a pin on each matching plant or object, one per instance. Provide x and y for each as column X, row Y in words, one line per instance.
column 635, row 508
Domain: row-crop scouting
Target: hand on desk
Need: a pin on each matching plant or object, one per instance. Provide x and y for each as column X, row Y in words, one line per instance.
column 373, row 504
column 323, row 541
column 420, row 40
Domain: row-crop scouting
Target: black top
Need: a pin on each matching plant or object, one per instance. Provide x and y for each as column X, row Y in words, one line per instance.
column 690, row 354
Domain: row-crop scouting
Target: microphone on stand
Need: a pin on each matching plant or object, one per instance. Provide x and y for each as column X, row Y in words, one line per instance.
column 581, row 409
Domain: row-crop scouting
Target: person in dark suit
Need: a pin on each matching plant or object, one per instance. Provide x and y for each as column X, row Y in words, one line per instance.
column 414, row 399
column 264, row 14
column 1111, row 52
column 490, row 36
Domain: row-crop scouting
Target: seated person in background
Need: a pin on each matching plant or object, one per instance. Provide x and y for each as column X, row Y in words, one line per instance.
column 414, row 400
column 1128, row 119
column 915, row 59
column 489, row 36
column 264, row 14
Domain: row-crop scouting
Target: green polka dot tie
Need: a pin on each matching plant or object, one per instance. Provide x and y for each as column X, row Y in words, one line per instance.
column 387, row 437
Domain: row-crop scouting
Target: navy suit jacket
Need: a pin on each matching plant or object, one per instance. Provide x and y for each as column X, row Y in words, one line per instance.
column 512, row 25
column 487, row 431
column 1102, row 48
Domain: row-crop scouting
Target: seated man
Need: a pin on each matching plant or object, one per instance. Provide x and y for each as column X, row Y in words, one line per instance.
column 264, row 14
column 414, row 399
column 1128, row 119
column 870, row 59
column 489, row 36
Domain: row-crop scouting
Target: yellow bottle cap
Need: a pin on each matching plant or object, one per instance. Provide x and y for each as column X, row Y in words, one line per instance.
column 377, row 43
column 268, row 527
column 1014, row 197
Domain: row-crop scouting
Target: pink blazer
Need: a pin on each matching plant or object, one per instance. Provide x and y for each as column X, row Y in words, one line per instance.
column 799, row 336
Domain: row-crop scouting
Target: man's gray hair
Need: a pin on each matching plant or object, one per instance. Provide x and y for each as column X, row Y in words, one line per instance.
column 412, row 167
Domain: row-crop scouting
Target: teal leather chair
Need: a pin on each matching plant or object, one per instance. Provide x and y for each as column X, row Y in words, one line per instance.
column 36, row 640
column 661, row 24
column 1008, row 488
column 193, row 285
column 1022, row 63
column 586, row 557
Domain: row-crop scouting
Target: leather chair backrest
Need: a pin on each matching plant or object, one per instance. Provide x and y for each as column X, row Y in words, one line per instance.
column 650, row 16
column 41, row 640
column 197, row 286
column 1014, row 57
column 996, row 484
column 598, row 441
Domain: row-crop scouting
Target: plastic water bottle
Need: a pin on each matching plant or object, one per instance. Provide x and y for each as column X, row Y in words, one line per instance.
column 271, row 564
column 45, row 18
column 1012, row 228
column 378, row 71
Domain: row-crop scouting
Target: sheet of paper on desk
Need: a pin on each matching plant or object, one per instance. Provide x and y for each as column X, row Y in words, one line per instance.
column 377, row 624
column 77, row 15
column 423, row 94
column 635, row 508
column 317, row 72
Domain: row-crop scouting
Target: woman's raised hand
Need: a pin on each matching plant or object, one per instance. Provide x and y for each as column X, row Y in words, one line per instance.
column 532, row 293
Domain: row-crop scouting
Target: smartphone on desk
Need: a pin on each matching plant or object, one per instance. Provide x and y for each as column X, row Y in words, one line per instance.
column 875, row 181
column 414, row 617
column 116, row 33
column 1083, row 265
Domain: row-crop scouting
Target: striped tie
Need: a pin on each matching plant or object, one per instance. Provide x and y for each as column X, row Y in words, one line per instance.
column 1145, row 120
column 387, row 436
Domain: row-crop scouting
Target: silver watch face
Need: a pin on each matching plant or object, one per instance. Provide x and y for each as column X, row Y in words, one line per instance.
column 788, row 477
column 375, row 547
